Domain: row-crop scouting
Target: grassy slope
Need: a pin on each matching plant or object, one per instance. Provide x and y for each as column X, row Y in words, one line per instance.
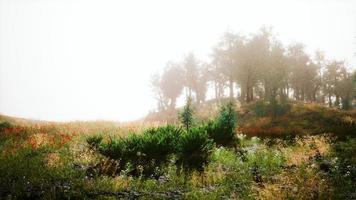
column 51, row 161
column 303, row 119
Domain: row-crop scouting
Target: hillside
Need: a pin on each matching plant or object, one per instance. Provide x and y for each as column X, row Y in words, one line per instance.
column 106, row 160
column 254, row 120
column 300, row 119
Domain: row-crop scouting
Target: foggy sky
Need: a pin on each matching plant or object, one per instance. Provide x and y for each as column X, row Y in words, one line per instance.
column 90, row 59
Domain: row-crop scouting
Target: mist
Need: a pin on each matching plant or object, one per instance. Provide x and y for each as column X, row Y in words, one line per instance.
column 91, row 60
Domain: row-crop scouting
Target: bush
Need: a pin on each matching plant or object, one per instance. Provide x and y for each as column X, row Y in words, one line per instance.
column 193, row 150
column 94, row 141
column 146, row 152
column 260, row 109
column 186, row 116
column 156, row 147
column 282, row 109
column 263, row 108
column 4, row 125
column 151, row 151
column 160, row 142
column 222, row 130
column 114, row 149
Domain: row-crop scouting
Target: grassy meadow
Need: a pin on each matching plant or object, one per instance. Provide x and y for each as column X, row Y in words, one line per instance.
column 306, row 152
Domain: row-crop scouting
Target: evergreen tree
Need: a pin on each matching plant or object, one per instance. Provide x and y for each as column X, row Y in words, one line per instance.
column 186, row 116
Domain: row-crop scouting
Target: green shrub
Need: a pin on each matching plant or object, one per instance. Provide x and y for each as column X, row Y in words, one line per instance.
column 193, row 150
column 283, row 109
column 156, row 147
column 345, row 104
column 260, row 109
column 4, row 125
column 114, row 149
column 146, row 152
column 265, row 108
column 222, row 130
column 160, row 142
column 186, row 116
column 94, row 141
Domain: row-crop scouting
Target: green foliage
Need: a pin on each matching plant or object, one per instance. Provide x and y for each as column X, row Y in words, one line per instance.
column 94, row 141
column 222, row 130
column 151, row 151
column 260, row 109
column 160, row 141
column 144, row 152
column 265, row 163
column 282, row 109
column 345, row 103
column 273, row 108
column 155, row 148
column 227, row 118
column 4, row 125
column 343, row 175
column 237, row 179
column 186, row 116
column 114, row 149
column 25, row 175
column 193, row 149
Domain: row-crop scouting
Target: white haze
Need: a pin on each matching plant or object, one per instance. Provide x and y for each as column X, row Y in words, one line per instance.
column 92, row 59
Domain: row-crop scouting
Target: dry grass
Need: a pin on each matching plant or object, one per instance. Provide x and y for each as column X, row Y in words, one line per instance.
column 302, row 179
column 52, row 160
column 301, row 183
column 306, row 148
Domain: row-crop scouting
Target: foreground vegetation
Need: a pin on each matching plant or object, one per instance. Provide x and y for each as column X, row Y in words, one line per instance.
column 226, row 157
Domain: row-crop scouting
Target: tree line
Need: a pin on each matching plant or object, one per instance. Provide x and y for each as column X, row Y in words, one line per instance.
column 255, row 67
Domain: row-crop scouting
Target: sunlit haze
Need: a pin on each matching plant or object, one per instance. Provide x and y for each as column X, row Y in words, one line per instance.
column 88, row 59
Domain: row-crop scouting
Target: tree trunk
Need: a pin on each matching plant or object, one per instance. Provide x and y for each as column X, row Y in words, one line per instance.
column 287, row 90
column 231, row 87
column 251, row 92
column 296, row 94
column 313, row 98
column 173, row 103
column 243, row 93
column 219, row 91
column 216, row 90
column 337, row 101
column 247, row 93
column 267, row 92
column 237, row 92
